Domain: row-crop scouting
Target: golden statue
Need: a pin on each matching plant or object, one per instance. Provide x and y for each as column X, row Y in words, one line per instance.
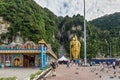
column 75, row 48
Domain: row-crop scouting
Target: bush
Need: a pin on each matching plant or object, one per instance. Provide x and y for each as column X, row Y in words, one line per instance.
column 32, row 76
column 39, row 72
column 8, row 78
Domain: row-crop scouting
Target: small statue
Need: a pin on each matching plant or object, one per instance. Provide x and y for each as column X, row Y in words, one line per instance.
column 17, row 62
column 75, row 48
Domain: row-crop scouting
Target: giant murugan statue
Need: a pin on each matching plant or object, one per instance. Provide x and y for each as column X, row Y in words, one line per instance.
column 75, row 48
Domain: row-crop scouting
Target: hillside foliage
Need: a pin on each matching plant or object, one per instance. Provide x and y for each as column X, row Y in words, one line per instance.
column 110, row 24
column 104, row 41
column 29, row 20
column 34, row 23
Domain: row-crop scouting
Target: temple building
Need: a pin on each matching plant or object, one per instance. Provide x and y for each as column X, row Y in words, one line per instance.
column 25, row 55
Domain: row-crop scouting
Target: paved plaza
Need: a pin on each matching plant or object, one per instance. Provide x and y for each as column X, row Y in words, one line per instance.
column 20, row 73
column 64, row 73
column 84, row 73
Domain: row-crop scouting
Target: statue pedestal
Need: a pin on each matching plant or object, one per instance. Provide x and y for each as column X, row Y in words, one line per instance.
column 76, row 61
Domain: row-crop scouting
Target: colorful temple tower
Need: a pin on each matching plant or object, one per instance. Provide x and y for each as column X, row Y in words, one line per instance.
column 43, row 49
column 26, row 55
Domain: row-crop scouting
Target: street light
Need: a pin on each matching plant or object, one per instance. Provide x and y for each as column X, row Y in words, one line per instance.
column 85, row 59
column 110, row 50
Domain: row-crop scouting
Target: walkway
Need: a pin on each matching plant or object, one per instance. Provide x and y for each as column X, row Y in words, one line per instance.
column 64, row 73
column 20, row 73
column 84, row 73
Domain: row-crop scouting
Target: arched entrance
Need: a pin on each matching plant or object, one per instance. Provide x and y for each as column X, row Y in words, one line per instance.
column 17, row 62
column 28, row 60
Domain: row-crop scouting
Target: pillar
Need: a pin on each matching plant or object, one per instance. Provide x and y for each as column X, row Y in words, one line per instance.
column 43, row 56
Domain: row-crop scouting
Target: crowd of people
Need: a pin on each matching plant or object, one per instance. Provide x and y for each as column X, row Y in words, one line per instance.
column 103, row 66
column 100, row 68
column 54, row 65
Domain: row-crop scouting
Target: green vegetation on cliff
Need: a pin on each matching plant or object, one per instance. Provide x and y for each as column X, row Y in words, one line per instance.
column 32, row 22
column 74, row 25
column 29, row 20
column 110, row 25
column 99, row 40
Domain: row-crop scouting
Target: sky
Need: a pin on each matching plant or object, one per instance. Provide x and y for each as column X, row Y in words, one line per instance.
column 94, row 8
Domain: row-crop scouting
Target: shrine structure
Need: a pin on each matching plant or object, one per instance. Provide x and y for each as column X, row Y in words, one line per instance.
column 28, row 54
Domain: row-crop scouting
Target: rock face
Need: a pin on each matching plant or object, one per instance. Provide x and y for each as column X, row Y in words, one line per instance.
column 3, row 25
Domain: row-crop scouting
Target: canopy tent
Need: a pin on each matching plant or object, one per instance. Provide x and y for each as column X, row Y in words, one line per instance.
column 63, row 58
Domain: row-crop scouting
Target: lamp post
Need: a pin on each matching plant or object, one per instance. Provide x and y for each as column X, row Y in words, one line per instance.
column 110, row 50
column 85, row 59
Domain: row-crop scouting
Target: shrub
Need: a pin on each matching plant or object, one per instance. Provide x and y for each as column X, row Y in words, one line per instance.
column 32, row 76
column 8, row 78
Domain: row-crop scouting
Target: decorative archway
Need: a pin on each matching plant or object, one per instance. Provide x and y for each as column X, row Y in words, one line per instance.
column 17, row 62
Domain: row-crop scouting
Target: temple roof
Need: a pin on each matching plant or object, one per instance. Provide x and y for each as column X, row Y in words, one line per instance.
column 12, row 44
column 50, row 51
column 30, row 42
column 42, row 42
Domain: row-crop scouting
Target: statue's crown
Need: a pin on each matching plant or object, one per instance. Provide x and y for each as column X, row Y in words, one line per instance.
column 75, row 37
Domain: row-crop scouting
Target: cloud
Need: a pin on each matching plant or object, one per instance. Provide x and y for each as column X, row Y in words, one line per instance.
column 94, row 8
